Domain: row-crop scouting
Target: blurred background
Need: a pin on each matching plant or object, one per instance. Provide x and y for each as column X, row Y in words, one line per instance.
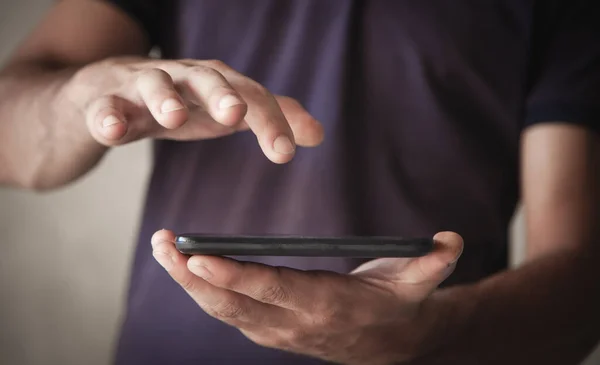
column 66, row 254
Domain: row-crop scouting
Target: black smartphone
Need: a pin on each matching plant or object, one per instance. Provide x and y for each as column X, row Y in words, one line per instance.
column 356, row 247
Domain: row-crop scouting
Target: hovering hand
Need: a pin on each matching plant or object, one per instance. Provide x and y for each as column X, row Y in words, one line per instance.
column 126, row 99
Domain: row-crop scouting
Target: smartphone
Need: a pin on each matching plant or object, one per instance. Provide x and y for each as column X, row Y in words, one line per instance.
column 354, row 247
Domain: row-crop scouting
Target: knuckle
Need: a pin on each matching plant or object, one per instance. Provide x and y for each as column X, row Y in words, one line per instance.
column 163, row 65
column 89, row 83
column 330, row 315
column 101, row 108
column 204, row 71
column 187, row 284
column 275, row 294
column 150, row 72
column 228, row 310
column 152, row 75
column 107, row 101
column 329, row 318
column 217, row 64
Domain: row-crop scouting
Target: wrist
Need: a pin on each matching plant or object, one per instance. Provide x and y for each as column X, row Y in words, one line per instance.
column 445, row 317
column 67, row 145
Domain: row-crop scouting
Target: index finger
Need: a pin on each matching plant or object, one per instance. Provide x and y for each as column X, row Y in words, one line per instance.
column 278, row 286
column 264, row 116
column 228, row 306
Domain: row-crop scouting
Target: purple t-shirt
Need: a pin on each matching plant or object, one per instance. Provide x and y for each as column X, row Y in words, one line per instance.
column 423, row 104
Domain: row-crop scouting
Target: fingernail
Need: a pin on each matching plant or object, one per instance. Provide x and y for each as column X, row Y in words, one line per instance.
column 164, row 259
column 170, row 105
column 110, row 120
column 202, row 271
column 228, row 101
column 154, row 240
column 283, row 145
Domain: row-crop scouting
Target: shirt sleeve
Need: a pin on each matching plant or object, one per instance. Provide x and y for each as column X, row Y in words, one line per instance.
column 564, row 82
column 144, row 12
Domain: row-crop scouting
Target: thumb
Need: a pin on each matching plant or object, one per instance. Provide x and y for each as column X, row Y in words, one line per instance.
column 423, row 274
column 105, row 118
column 435, row 267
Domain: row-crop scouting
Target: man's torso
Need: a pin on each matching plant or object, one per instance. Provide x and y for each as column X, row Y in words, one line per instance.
column 422, row 105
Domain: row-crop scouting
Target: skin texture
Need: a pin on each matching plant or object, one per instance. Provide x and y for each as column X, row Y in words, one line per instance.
column 79, row 85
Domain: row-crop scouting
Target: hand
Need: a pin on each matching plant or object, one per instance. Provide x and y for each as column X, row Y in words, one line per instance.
column 378, row 314
column 126, row 99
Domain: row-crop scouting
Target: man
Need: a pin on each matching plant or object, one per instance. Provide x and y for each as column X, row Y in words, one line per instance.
column 428, row 108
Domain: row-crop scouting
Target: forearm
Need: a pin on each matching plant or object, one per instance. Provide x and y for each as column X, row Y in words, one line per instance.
column 44, row 142
column 545, row 312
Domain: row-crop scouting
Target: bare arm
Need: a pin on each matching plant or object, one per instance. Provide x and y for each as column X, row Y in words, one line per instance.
column 546, row 311
column 44, row 141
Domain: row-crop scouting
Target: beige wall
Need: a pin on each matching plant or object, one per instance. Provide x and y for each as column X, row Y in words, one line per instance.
column 65, row 255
